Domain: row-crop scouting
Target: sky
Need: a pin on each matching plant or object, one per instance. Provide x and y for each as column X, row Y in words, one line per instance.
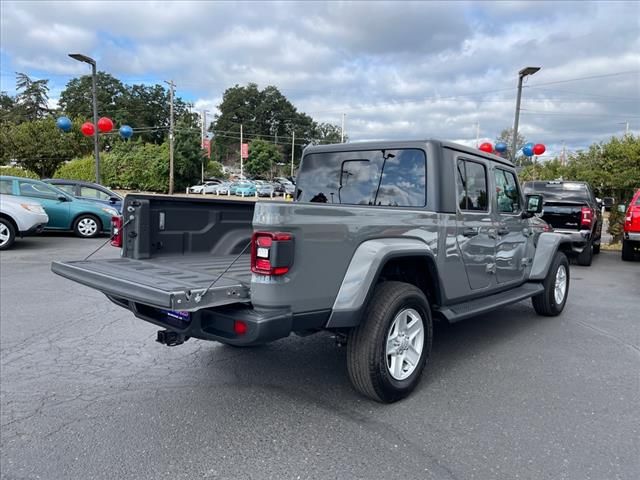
column 395, row 70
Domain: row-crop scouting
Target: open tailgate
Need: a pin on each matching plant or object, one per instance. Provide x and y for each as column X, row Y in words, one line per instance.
column 172, row 283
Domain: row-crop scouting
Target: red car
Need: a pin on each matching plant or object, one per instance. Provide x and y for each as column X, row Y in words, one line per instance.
column 631, row 239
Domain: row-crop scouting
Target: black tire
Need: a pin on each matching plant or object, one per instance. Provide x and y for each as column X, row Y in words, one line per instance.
column 82, row 232
column 596, row 248
column 366, row 345
column 586, row 256
column 545, row 303
column 628, row 253
column 7, row 228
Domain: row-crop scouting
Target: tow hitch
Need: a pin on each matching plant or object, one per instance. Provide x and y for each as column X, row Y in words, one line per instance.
column 170, row 339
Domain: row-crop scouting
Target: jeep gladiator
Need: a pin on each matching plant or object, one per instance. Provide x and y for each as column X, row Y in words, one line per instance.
column 382, row 239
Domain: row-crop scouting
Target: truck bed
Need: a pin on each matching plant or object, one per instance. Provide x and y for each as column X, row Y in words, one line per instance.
column 170, row 282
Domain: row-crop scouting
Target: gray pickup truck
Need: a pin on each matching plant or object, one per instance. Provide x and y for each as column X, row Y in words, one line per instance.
column 382, row 239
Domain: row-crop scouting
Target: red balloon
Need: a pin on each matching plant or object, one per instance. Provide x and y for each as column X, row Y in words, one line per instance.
column 539, row 149
column 105, row 125
column 87, row 129
column 486, row 147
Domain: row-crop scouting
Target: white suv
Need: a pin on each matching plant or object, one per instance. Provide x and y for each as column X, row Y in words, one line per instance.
column 19, row 216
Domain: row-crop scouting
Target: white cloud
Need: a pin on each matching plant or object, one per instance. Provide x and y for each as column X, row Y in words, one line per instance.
column 398, row 70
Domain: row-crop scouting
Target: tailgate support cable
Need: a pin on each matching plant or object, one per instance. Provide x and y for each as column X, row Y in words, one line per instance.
column 200, row 296
column 108, row 240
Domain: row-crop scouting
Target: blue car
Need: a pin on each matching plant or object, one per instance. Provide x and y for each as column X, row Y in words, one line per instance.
column 86, row 219
column 245, row 189
column 92, row 192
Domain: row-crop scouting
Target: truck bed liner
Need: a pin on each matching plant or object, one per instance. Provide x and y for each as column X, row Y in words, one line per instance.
column 174, row 283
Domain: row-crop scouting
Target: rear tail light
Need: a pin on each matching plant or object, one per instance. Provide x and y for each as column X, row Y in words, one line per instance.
column 116, row 231
column 240, row 327
column 271, row 253
column 586, row 217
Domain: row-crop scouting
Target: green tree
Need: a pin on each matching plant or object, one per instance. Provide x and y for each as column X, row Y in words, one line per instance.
column 325, row 133
column 215, row 170
column 76, row 100
column 41, row 147
column 263, row 156
column 32, row 97
column 8, row 107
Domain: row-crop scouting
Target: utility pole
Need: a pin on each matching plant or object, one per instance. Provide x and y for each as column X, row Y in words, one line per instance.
column 171, row 135
column 241, row 159
column 293, row 145
column 204, row 136
column 342, row 129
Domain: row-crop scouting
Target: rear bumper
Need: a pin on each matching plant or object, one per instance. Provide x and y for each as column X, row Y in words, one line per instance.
column 217, row 324
column 579, row 239
column 633, row 236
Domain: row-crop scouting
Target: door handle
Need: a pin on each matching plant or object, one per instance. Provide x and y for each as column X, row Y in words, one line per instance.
column 470, row 232
column 503, row 231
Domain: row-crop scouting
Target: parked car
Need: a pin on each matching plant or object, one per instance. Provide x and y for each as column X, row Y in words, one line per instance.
column 245, row 189
column 19, row 216
column 631, row 235
column 86, row 219
column 222, row 189
column 374, row 267
column 571, row 209
column 208, row 187
column 93, row 192
column 266, row 190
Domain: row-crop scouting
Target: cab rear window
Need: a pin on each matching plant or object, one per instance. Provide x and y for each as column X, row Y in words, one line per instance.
column 388, row 178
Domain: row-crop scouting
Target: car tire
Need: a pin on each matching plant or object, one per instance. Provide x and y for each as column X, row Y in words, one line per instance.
column 628, row 253
column 550, row 302
column 586, row 256
column 87, row 226
column 596, row 248
column 7, row 234
column 398, row 320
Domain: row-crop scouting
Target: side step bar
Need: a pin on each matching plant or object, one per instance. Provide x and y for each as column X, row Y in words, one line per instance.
column 460, row 311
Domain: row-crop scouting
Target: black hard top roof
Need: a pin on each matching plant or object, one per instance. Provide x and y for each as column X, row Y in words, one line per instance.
column 393, row 144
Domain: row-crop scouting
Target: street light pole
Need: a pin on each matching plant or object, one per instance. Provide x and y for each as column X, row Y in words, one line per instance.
column 94, row 94
column 521, row 74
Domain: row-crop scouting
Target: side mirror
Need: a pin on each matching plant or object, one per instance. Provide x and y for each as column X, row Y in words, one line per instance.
column 533, row 205
column 62, row 198
column 113, row 200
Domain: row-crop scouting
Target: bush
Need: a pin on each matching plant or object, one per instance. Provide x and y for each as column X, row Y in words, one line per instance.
column 84, row 168
column 17, row 172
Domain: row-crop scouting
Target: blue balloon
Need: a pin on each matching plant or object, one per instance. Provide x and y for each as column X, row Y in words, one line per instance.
column 64, row 124
column 126, row 131
column 501, row 147
column 528, row 149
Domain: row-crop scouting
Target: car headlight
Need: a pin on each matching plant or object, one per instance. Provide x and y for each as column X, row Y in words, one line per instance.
column 110, row 211
column 33, row 207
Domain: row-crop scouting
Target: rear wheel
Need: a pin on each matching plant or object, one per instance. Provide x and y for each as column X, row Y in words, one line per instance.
column 552, row 300
column 628, row 253
column 7, row 234
column 87, row 226
column 596, row 248
column 387, row 352
column 586, row 256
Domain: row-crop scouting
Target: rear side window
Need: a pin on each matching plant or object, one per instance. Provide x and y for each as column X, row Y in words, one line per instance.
column 70, row 189
column 89, row 192
column 472, row 186
column 6, row 187
column 507, row 193
column 388, row 178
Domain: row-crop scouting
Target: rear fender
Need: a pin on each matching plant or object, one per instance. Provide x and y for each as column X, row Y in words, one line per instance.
column 548, row 244
column 362, row 275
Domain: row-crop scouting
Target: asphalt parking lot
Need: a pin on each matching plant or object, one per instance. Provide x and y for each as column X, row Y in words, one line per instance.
column 86, row 392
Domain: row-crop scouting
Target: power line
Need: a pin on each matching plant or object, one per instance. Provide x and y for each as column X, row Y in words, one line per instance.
column 604, row 75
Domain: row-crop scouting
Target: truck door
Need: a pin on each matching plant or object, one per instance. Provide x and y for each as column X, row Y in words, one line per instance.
column 476, row 231
column 512, row 230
